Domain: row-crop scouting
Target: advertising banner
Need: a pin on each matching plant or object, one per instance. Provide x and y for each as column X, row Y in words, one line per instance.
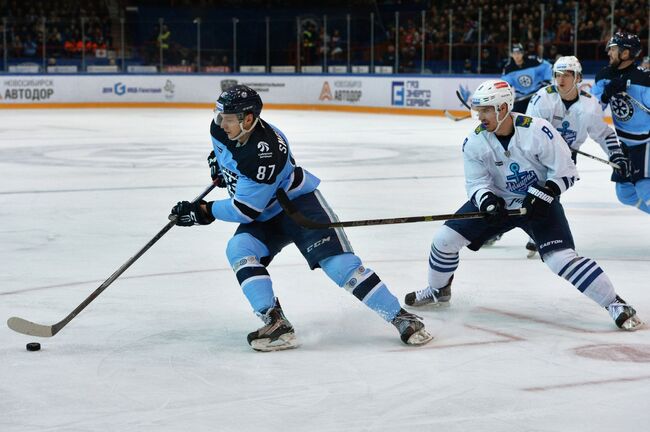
column 383, row 93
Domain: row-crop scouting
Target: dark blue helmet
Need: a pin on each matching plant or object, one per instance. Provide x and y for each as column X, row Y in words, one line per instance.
column 239, row 100
column 624, row 40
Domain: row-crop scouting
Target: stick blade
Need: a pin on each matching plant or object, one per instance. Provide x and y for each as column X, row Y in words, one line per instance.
column 25, row 327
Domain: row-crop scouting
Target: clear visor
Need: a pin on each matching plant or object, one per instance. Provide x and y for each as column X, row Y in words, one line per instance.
column 218, row 109
column 217, row 117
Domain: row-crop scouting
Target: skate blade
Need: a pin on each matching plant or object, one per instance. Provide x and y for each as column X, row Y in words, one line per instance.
column 284, row 342
column 420, row 337
column 434, row 305
column 633, row 323
column 430, row 304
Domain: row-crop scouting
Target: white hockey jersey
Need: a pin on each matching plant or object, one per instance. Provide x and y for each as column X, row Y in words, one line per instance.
column 584, row 118
column 536, row 153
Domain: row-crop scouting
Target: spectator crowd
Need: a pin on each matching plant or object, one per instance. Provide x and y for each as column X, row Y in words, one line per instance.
column 57, row 25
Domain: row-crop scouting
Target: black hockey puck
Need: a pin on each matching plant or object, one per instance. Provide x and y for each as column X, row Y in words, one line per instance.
column 33, row 346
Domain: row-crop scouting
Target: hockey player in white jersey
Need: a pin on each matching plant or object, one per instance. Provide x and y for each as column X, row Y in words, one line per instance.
column 513, row 161
column 576, row 115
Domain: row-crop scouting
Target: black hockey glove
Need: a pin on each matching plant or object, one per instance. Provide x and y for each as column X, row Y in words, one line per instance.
column 616, row 85
column 495, row 209
column 538, row 202
column 215, row 170
column 622, row 173
column 190, row 213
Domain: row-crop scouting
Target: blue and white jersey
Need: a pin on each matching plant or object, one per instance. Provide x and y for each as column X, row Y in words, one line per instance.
column 536, row 153
column 254, row 171
column 526, row 79
column 632, row 122
column 584, row 118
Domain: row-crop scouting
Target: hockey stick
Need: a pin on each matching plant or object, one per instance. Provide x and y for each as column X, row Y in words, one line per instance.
column 23, row 326
column 455, row 118
column 292, row 211
column 450, row 116
column 596, row 158
column 460, row 98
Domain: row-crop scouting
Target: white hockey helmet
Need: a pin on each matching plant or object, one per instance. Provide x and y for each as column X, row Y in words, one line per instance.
column 494, row 92
column 567, row 63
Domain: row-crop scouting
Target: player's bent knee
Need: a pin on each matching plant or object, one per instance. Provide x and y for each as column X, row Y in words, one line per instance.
column 244, row 245
column 449, row 241
column 643, row 189
column 556, row 260
column 626, row 194
column 340, row 267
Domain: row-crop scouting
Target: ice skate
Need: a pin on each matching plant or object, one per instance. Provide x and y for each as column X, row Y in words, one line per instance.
column 411, row 329
column 435, row 297
column 624, row 315
column 276, row 335
column 531, row 248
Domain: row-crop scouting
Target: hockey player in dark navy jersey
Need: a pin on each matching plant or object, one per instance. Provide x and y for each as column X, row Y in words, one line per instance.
column 252, row 160
column 525, row 75
column 626, row 88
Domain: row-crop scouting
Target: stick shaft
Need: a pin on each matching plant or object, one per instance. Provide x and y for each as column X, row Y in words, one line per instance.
column 612, row 164
column 23, row 326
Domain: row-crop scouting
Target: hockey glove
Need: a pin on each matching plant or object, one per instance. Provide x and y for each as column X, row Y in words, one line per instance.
column 215, row 170
column 191, row 213
column 494, row 208
column 538, row 201
column 622, row 173
column 615, row 85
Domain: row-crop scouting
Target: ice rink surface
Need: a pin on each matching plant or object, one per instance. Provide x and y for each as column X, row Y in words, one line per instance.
column 164, row 348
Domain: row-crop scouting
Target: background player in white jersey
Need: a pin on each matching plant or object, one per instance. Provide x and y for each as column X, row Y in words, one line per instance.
column 252, row 160
column 512, row 161
column 576, row 115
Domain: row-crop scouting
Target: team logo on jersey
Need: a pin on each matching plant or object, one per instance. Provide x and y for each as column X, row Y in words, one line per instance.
column 523, row 121
column 525, row 80
column 518, row 182
column 569, row 135
column 264, row 152
column 622, row 107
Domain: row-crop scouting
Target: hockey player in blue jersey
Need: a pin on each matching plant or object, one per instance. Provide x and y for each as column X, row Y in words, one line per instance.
column 626, row 88
column 514, row 161
column 252, row 160
column 525, row 75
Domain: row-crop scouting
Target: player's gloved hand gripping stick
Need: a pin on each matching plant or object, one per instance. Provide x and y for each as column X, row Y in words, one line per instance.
column 23, row 326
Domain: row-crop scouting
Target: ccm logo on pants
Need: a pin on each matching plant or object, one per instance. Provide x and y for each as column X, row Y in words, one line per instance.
column 318, row 243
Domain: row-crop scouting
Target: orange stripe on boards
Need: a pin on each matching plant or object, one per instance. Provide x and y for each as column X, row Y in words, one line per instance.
column 58, row 105
column 296, row 107
column 197, row 105
column 362, row 109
